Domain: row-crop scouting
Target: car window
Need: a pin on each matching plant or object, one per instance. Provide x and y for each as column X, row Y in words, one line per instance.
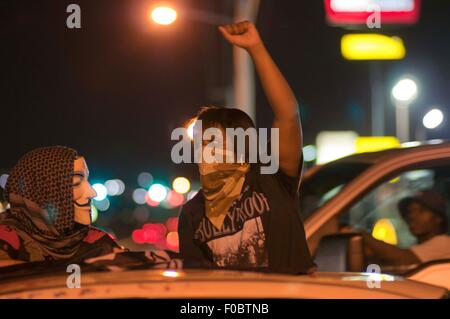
column 377, row 211
column 326, row 183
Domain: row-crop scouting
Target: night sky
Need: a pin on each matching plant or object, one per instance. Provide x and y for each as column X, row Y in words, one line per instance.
column 116, row 88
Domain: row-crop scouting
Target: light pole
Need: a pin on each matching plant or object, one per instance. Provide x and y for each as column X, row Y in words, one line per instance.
column 404, row 92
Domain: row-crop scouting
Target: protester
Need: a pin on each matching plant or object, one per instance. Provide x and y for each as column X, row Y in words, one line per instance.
column 49, row 216
column 241, row 218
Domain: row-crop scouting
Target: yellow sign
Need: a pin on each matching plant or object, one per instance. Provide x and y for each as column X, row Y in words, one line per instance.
column 372, row 47
column 375, row 143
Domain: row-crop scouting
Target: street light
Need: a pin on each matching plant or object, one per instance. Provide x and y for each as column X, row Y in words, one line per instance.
column 433, row 119
column 404, row 92
column 163, row 15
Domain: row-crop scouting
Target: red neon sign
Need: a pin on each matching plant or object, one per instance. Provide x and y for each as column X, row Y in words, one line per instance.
column 357, row 12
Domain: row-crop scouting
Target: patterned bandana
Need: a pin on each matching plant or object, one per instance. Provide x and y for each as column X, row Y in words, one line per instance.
column 221, row 184
column 39, row 190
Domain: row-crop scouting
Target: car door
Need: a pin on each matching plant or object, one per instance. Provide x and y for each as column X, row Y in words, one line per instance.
column 325, row 220
column 376, row 211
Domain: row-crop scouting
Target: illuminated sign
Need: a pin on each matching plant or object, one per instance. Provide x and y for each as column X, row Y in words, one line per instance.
column 332, row 145
column 375, row 143
column 372, row 47
column 358, row 12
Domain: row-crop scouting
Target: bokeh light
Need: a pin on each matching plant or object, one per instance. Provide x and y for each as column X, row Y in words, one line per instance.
column 145, row 180
column 138, row 236
column 101, row 191
column 139, row 196
column 114, row 187
column 172, row 241
column 433, row 119
column 94, row 213
column 150, row 202
column 181, row 185
column 154, row 232
column 172, row 224
column 157, row 192
column 102, row 205
column 309, row 153
column 174, row 199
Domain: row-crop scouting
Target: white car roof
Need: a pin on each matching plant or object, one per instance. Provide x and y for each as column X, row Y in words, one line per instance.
column 219, row 284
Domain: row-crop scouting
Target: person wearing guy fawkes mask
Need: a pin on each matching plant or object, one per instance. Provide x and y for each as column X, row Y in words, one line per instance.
column 242, row 219
column 49, row 216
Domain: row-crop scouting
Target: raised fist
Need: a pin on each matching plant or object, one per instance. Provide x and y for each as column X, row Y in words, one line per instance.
column 243, row 34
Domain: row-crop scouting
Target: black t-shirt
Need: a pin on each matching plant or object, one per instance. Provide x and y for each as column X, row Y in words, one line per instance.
column 262, row 229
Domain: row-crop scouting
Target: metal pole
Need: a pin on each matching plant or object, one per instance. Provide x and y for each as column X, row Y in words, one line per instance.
column 377, row 99
column 244, row 79
column 421, row 132
column 402, row 120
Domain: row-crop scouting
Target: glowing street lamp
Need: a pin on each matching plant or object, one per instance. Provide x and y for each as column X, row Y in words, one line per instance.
column 163, row 15
column 404, row 92
column 433, row 119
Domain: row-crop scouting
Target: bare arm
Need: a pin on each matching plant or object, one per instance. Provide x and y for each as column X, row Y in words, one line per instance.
column 277, row 90
column 390, row 253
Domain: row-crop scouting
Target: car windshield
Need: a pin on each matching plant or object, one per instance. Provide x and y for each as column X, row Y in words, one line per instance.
column 326, row 183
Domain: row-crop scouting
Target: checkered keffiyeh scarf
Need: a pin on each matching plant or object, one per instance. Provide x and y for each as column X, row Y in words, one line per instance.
column 221, row 184
column 39, row 190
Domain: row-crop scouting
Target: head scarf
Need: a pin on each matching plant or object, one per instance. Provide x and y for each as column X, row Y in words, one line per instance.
column 39, row 190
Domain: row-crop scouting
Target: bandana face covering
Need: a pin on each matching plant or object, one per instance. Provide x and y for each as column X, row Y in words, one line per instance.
column 222, row 184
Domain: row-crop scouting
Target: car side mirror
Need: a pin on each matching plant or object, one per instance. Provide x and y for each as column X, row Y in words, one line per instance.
column 340, row 252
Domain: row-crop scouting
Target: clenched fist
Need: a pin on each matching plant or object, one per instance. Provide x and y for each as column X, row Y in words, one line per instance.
column 243, row 34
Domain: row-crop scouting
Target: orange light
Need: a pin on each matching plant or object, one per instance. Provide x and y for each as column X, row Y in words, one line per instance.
column 172, row 241
column 163, row 15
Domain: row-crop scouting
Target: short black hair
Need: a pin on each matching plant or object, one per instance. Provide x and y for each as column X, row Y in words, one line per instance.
column 213, row 116
column 226, row 117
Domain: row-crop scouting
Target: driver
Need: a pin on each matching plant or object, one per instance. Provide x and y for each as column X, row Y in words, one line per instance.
column 425, row 214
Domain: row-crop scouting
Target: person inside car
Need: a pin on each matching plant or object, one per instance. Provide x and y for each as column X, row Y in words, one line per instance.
column 242, row 218
column 426, row 215
column 49, row 215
